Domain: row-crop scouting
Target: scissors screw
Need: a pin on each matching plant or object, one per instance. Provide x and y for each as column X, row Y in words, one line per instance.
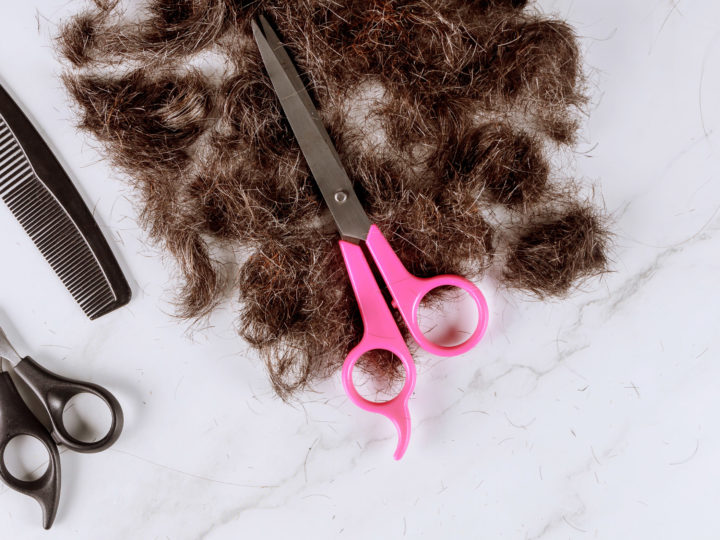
column 340, row 196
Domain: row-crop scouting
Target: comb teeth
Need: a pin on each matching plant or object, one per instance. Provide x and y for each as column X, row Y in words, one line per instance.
column 51, row 228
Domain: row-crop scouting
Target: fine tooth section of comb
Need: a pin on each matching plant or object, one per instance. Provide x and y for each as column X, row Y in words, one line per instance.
column 51, row 229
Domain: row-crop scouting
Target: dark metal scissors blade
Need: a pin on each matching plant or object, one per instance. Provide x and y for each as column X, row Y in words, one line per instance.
column 313, row 138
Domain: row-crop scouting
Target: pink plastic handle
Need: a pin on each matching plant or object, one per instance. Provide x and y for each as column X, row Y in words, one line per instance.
column 380, row 332
column 408, row 291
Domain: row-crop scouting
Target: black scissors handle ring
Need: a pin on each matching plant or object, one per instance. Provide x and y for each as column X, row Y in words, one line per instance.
column 55, row 391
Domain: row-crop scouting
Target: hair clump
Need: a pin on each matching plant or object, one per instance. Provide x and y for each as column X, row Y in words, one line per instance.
column 445, row 113
column 557, row 251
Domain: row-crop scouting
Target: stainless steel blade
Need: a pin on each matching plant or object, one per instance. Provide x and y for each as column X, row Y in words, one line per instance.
column 313, row 138
column 7, row 351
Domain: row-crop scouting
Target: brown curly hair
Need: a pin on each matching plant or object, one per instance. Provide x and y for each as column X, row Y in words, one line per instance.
column 446, row 114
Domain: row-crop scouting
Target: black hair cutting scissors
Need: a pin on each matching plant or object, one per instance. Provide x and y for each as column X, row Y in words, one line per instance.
column 54, row 392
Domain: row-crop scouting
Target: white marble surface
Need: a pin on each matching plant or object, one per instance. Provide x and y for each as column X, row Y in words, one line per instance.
column 596, row 417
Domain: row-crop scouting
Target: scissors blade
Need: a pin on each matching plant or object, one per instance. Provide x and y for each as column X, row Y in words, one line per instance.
column 7, row 351
column 313, row 138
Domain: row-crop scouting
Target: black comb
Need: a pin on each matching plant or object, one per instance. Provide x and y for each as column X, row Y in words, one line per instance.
column 42, row 197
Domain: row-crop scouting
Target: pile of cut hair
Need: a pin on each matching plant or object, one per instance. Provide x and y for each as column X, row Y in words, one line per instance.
column 446, row 113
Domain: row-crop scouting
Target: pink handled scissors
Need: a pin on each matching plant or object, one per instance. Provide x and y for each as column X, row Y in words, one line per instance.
column 380, row 330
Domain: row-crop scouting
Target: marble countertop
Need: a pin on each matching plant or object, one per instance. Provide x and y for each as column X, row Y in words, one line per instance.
column 594, row 417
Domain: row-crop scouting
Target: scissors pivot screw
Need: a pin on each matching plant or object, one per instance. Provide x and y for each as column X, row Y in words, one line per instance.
column 341, row 196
